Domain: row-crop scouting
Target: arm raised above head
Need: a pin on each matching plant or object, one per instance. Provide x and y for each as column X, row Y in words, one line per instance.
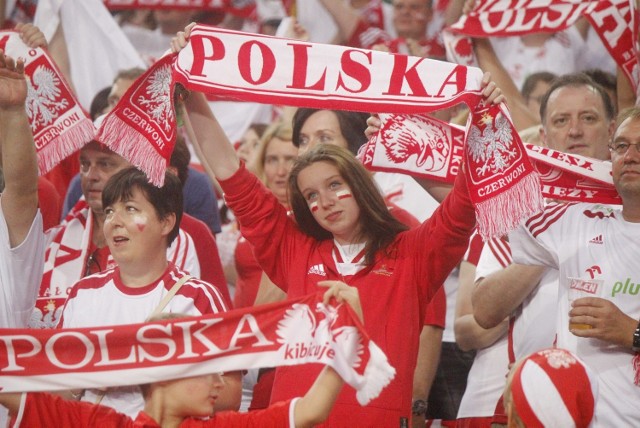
column 218, row 153
column 19, row 162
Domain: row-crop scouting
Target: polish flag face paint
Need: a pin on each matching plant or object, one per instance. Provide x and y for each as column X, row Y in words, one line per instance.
column 344, row 194
column 313, row 206
column 140, row 221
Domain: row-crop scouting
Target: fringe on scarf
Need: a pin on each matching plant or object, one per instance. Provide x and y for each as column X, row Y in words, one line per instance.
column 495, row 217
column 377, row 375
column 133, row 146
column 636, row 369
column 64, row 145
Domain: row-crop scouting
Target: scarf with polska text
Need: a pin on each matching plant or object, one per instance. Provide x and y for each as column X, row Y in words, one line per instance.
column 271, row 70
column 298, row 331
column 615, row 22
column 59, row 124
column 425, row 147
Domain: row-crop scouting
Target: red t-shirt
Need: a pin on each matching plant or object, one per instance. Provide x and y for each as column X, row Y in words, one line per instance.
column 46, row 410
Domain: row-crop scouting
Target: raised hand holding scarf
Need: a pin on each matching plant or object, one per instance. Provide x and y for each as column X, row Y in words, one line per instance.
column 265, row 69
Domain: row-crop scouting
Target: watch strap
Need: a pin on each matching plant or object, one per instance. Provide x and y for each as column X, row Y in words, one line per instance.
column 636, row 339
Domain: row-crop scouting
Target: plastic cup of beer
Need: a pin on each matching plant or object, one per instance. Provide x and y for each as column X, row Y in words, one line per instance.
column 579, row 288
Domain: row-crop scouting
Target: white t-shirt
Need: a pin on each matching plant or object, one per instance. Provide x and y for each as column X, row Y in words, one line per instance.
column 20, row 273
column 102, row 299
column 590, row 241
column 559, row 55
column 487, row 376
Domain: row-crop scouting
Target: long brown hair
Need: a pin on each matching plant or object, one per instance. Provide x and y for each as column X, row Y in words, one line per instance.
column 377, row 225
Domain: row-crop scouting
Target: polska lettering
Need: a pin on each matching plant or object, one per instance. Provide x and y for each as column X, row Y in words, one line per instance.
column 184, row 341
column 290, row 70
column 525, row 15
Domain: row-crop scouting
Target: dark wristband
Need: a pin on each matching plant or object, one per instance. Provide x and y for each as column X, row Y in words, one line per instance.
column 636, row 339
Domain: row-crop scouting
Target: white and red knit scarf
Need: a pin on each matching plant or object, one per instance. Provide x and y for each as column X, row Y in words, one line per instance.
column 293, row 332
column 425, row 147
column 615, row 21
column 58, row 123
column 66, row 260
column 251, row 67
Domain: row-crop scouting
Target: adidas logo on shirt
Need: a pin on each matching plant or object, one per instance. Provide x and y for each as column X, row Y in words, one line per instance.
column 317, row 270
column 597, row 240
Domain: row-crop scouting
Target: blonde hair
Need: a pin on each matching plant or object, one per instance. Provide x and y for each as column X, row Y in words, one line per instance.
column 280, row 130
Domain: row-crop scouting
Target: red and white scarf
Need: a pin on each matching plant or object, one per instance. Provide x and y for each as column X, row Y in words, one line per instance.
column 425, row 147
column 615, row 21
column 58, row 123
column 265, row 69
column 293, row 332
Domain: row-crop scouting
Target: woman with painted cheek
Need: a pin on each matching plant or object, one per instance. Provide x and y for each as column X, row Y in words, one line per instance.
column 350, row 237
column 141, row 222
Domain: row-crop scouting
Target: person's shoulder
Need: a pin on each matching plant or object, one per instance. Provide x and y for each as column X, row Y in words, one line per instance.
column 192, row 225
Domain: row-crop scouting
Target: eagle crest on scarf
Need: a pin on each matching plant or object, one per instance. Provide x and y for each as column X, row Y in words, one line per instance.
column 44, row 102
column 421, row 137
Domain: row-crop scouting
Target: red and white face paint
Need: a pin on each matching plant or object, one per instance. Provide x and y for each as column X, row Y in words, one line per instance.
column 344, row 194
column 330, row 201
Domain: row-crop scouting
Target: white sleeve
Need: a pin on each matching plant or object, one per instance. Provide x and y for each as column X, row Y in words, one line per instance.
column 20, row 273
column 528, row 250
column 495, row 256
column 292, row 412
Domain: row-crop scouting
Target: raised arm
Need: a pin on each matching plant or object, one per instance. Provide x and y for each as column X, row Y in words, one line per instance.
column 20, row 197
column 489, row 62
column 345, row 17
column 217, row 151
column 317, row 403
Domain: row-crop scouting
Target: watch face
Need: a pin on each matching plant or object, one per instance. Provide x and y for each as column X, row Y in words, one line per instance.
column 419, row 407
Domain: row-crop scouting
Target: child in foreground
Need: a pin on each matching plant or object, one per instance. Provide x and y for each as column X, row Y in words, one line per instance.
column 550, row 388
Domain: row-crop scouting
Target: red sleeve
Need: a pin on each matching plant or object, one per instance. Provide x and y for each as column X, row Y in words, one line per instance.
column 261, row 218
column 276, row 415
column 49, row 203
column 475, row 249
column 41, row 409
column 441, row 241
column 249, row 275
column 210, row 265
column 437, row 309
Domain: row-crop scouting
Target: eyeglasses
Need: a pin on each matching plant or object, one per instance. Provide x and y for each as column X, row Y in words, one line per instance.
column 621, row 147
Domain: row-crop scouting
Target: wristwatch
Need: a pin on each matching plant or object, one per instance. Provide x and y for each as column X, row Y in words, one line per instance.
column 419, row 407
column 636, row 339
